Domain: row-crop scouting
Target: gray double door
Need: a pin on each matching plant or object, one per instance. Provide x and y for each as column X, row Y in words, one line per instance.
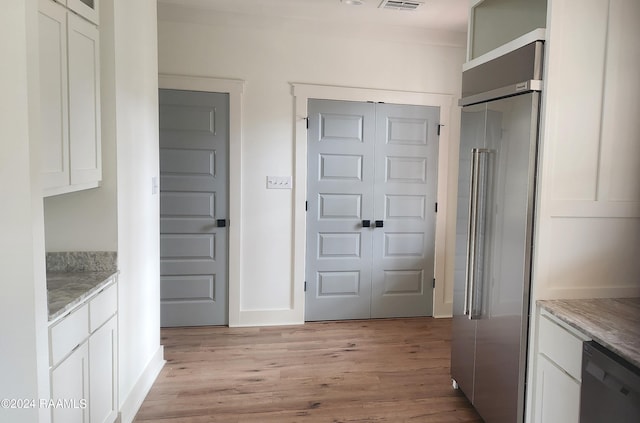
column 194, row 138
column 371, row 190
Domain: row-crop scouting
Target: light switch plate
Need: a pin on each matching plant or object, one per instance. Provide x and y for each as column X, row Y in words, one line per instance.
column 155, row 185
column 278, row 182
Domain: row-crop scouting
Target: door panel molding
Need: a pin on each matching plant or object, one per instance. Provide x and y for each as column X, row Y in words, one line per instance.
column 443, row 292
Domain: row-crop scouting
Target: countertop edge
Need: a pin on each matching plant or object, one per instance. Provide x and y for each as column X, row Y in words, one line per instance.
column 555, row 308
column 78, row 301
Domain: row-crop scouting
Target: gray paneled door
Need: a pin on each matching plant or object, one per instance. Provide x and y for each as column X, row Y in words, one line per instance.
column 193, row 208
column 372, row 178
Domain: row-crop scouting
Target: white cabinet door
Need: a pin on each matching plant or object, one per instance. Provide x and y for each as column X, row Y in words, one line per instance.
column 54, row 117
column 557, row 394
column 84, row 101
column 88, row 9
column 103, row 367
column 70, row 388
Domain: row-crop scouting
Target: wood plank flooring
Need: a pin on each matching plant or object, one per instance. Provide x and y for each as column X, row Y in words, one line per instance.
column 393, row 371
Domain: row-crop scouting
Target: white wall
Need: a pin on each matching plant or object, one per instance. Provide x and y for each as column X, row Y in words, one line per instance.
column 269, row 54
column 136, row 116
column 23, row 308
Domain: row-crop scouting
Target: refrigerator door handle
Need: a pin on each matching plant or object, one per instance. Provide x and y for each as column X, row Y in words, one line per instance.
column 471, row 234
column 477, row 201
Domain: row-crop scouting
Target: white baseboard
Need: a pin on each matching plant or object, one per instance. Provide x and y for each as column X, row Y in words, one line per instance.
column 251, row 318
column 132, row 403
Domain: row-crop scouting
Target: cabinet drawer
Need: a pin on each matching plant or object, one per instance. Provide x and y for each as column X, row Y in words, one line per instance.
column 561, row 346
column 102, row 307
column 68, row 333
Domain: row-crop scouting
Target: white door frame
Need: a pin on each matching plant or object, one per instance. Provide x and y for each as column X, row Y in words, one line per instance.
column 235, row 89
column 302, row 93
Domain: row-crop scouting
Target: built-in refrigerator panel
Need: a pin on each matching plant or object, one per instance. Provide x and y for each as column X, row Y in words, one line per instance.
column 511, row 140
column 494, row 227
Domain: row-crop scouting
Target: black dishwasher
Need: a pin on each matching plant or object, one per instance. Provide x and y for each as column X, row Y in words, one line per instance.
column 610, row 391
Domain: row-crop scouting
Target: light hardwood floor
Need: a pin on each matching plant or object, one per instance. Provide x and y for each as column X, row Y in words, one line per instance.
column 392, row 371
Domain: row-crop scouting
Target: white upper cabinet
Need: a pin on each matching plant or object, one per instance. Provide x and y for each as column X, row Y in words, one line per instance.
column 70, row 117
column 88, row 9
column 493, row 23
column 84, row 102
column 54, row 100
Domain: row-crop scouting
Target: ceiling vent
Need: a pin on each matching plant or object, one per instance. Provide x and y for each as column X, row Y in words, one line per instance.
column 400, row 4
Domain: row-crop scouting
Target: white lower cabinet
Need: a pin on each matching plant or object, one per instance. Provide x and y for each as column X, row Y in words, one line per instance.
column 70, row 388
column 84, row 362
column 558, row 372
column 557, row 394
column 103, row 367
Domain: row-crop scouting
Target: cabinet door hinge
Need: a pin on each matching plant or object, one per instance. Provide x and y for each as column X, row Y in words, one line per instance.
column 305, row 286
column 434, row 283
column 436, row 208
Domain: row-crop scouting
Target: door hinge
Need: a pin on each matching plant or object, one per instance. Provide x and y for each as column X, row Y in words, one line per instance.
column 434, row 283
column 439, row 127
column 436, row 208
column 306, row 206
column 307, row 119
column 305, row 286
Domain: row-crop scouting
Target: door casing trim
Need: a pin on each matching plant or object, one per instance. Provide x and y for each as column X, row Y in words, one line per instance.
column 302, row 93
column 235, row 89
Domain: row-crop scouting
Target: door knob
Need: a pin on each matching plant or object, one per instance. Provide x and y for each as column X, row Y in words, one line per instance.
column 366, row 223
column 379, row 223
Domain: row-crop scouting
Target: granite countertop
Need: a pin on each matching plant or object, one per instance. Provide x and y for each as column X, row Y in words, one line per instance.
column 72, row 277
column 611, row 322
column 66, row 290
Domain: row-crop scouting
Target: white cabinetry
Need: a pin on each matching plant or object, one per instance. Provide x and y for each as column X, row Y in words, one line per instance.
column 103, row 348
column 70, row 386
column 103, row 356
column 493, row 23
column 85, row 156
column 588, row 214
column 84, row 361
column 69, row 100
column 54, row 95
column 558, row 372
column 88, row 9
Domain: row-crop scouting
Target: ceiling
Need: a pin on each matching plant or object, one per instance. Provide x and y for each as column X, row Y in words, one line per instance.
column 449, row 15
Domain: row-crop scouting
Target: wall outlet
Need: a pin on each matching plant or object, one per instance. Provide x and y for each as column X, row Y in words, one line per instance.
column 278, row 182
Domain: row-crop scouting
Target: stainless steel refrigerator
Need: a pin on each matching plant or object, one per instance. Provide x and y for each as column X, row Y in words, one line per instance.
column 494, row 231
